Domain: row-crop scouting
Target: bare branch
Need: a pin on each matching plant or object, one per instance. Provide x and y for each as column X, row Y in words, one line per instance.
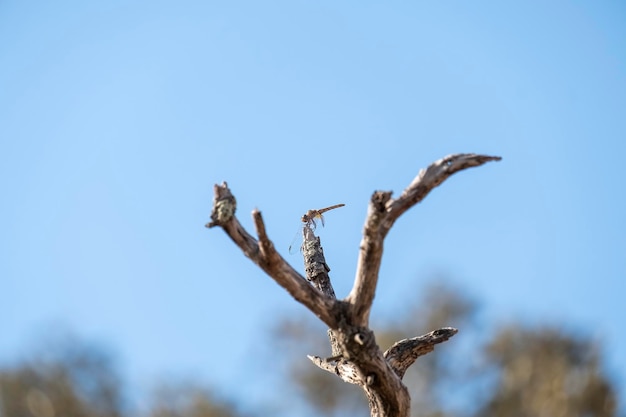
column 342, row 368
column 370, row 257
column 316, row 270
column 356, row 357
column 430, row 178
column 315, row 266
column 403, row 353
column 383, row 212
column 265, row 256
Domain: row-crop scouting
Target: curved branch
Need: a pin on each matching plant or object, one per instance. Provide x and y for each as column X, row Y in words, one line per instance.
column 403, row 353
column 383, row 212
column 429, row 178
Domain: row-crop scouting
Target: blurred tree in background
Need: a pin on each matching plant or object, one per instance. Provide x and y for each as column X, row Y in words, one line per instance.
column 545, row 372
column 188, row 400
column 515, row 371
column 70, row 378
column 326, row 394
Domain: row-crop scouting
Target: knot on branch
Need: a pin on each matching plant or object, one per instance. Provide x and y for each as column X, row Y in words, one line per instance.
column 380, row 199
column 355, row 340
column 224, row 205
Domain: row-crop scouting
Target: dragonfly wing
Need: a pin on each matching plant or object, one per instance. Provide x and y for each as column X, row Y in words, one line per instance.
column 293, row 247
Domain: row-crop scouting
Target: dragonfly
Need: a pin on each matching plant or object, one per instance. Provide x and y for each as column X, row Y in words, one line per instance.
column 308, row 219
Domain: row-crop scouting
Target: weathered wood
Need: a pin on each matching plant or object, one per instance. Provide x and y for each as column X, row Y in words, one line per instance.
column 316, row 270
column 263, row 253
column 384, row 211
column 356, row 357
column 403, row 353
column 315, row 267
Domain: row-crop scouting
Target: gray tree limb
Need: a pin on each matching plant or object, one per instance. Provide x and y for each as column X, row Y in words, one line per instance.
column 263, row 253
column 356, row 357
column 383, row 212
column 404, row 352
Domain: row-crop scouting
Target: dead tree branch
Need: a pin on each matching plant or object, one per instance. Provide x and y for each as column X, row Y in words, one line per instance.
column 264, row 254
column 356, row 357
column 403, row 353
column 383, row 212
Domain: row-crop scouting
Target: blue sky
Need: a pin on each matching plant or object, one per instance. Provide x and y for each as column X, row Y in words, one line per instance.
column 116, row 118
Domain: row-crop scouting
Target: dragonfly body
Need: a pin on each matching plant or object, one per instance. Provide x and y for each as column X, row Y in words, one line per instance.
column 309, row 217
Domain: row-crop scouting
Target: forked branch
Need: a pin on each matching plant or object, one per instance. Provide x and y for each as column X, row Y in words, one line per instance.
column 356, row 357
column 383, row 212
column 263, row 253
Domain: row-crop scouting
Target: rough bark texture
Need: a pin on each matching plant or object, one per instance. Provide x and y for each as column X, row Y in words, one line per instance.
column 356, row 357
